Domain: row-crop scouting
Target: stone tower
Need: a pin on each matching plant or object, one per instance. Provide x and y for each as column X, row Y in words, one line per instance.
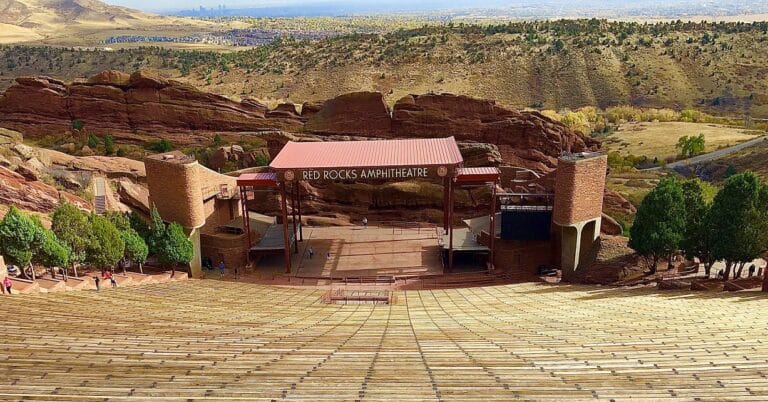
column 174, row 184
column 579, row 188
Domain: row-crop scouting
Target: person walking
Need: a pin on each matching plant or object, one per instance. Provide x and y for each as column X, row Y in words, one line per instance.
column 311, row 252
column 7, row 285
column 222, row 268
column 365, row 222
column 108, row 275
column 97, row 281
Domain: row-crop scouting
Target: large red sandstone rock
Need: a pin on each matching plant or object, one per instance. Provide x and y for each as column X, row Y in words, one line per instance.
column 356, row 113
column 147, row 106
column 32, row 195
column 527, row 139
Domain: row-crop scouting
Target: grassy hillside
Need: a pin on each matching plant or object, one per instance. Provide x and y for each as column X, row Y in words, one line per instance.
column 719, row 67
column 658, row 140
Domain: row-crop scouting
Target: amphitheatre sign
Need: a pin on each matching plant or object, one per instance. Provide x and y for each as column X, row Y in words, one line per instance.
column 366, row 173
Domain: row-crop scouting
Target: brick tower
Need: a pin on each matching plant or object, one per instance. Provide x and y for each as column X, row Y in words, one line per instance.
column 579, row 188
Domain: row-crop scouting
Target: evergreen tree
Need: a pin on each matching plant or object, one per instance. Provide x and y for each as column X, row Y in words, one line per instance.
column 136, row 249
column 738, row 217
column 73, row 228
column 659, row 223
column 106, row 246
column 698, row 234
column 175, row 248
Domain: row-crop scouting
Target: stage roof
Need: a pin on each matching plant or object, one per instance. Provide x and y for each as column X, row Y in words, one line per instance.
column 266, row 179
column 363, row 154
column 477, row 175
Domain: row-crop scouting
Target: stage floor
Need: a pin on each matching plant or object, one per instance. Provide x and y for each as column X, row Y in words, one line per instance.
column 353, row 251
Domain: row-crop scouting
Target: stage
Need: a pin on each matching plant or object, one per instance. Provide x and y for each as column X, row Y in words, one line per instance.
column 357, row 251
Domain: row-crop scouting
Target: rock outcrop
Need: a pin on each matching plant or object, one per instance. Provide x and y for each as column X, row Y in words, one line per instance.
column 143, row 105
column 237, row 157
column 357, row 113
column 522, row 138
column 527, row 139
column 32, row 195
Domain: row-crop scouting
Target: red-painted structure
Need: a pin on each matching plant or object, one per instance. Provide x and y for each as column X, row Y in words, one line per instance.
column 381, row 160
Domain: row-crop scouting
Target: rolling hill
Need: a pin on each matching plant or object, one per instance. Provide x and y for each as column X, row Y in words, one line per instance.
column 80, row 22
column 716, row 67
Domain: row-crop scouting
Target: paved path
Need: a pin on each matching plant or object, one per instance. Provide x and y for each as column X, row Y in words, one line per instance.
column 714, row 154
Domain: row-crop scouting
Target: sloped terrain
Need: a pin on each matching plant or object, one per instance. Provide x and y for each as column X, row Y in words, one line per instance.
column 232, row 341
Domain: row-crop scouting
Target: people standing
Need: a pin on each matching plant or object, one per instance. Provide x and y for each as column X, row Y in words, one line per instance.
column 365, row 222
column 311, row 252
column 751, row 270
column 97, row 280
column 222, row 267
column 108, row 275
column 7, row 285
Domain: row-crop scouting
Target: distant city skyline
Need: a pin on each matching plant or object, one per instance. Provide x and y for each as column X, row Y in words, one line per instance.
column 344, row 7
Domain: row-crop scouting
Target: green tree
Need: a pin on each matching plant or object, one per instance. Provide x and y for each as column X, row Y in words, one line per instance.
column 51, row 251
column 156, row 233
column 139, row 225
column 659, row 223
column 176, row 248
column 738, row 217
column 93, row 141
column 106, row 246
column 77, row 124
column 18, row 233
column 698, row 234
column 217, row 140
column 691, row 146
column 73, row 228
column 120, row 220
column 109, row 145
column 24, row 241
column 136, row 249
column 162, row 145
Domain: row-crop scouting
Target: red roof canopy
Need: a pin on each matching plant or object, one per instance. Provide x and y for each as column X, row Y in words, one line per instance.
column 268, row 179
column 379, row 153
column 477, row 174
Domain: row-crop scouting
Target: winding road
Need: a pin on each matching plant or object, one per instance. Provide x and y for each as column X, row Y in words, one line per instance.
column 714, row 154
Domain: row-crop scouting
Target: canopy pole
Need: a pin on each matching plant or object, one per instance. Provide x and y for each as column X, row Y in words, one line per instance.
column 445, row 203
column 301, row 225
column 451, row 196
column 246, row 218
column 293, row 216
column 492, row 228
column 287, row 244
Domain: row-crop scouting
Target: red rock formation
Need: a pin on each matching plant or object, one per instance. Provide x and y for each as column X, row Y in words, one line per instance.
column 527, row 139
column 144, row 106
column 284, row 110
column 357, row 113
column 32, row 195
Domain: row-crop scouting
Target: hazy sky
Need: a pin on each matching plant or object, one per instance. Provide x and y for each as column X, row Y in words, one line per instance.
column 399, row 5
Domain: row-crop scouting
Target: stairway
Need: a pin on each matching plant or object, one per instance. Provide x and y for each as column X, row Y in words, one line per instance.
column 99, row 195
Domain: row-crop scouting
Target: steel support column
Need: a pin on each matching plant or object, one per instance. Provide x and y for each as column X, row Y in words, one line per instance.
column 451, row 196
column 293, row 216
column 286, row 239
column 298, row 201
column 492, row 226
column 446, row 190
